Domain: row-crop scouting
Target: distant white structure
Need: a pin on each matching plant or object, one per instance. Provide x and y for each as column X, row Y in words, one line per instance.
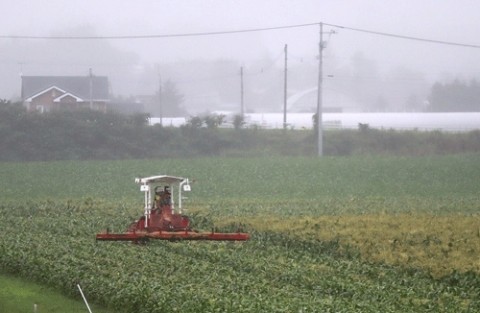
column 399, row 121
column 168, row 121
column 452, row 122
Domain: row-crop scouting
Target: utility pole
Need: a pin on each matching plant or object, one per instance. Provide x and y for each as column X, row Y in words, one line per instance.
column 319, row 94
column 160, row 104
column 90, row 74
column 242, row 108
column 285, row 91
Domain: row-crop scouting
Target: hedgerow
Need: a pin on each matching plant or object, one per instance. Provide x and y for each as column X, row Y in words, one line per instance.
column 90, row 135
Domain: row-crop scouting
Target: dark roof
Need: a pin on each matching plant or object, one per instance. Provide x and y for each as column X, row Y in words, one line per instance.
column 76, row 85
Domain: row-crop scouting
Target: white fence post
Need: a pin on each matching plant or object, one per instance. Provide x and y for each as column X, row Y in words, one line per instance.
column 84, row 299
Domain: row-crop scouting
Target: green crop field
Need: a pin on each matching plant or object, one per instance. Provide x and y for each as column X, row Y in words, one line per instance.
column 356, row 234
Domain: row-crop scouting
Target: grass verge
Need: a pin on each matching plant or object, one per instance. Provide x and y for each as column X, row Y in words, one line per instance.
column 20, row 296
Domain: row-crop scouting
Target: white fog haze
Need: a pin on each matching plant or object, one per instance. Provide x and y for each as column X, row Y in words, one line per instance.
column 200, row 47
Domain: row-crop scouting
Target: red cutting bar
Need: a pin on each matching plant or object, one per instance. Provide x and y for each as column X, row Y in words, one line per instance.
column 181, row 235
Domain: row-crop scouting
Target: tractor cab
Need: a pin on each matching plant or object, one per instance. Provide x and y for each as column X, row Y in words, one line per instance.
column 161, row 211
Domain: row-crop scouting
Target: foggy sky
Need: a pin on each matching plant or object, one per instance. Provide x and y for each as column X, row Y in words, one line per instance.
column 447, row 20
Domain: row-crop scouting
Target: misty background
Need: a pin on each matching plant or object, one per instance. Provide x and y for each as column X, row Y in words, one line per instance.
column 362, row 71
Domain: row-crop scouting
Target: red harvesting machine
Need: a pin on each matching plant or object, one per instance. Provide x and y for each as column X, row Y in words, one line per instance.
column 161, row 219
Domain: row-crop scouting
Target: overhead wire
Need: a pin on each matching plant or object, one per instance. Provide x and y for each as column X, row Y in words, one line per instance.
column 197, row 34
column 405, row 37
column 268, row 67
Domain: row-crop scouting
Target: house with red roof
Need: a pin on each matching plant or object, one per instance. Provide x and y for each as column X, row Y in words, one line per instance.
column 47, row 93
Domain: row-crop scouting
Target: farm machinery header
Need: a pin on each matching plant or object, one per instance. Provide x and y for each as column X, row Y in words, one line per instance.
column 162, row 217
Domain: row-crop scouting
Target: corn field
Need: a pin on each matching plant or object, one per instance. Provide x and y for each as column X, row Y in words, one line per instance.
column 379, row 234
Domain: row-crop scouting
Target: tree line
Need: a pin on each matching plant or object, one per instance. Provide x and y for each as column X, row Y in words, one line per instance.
column 456, row 96
column 90, row 135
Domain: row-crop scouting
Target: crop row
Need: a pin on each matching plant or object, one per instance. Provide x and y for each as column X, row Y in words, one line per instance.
column 53, row 243
column 394, row 180
column 339, row 235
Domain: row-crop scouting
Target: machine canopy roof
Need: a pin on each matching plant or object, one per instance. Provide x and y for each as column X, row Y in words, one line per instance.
column 160, row 179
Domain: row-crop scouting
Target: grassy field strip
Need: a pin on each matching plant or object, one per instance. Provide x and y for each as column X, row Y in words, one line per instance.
column 19, row 296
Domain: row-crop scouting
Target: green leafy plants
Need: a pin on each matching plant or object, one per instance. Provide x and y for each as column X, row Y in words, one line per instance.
column 331, row 234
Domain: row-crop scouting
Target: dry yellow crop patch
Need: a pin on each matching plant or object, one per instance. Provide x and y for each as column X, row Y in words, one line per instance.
column 439, row 244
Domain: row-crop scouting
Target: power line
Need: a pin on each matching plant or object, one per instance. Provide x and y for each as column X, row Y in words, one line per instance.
column 198, row 34
column 405, row 37
column 158, row 36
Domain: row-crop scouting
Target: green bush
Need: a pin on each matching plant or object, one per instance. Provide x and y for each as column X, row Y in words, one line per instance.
column 85, row 135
